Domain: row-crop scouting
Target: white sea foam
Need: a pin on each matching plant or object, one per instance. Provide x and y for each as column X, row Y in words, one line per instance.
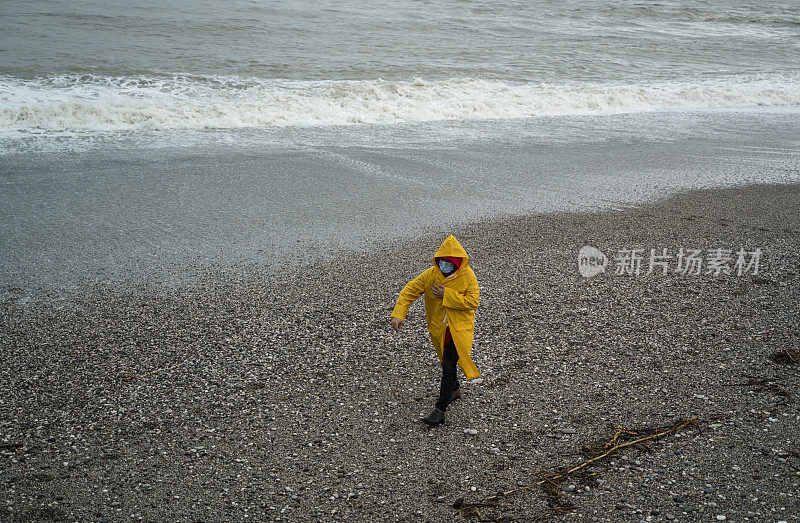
column 89, row 103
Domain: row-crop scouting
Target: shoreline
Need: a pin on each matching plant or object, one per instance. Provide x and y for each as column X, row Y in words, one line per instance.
column 138, row 214
column 168, row 283
column 285, row 395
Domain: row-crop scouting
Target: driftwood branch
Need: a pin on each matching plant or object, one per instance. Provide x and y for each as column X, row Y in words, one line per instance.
column 551, row 481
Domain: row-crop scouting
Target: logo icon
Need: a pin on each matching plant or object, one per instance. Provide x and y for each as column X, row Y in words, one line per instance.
column 591, row 261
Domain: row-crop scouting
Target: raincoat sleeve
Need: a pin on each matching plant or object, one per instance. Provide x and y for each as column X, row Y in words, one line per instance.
column 409, row 295
column 468, row 300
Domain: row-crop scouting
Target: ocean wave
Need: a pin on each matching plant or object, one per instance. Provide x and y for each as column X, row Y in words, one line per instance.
column 88, row 103
column 743, row 18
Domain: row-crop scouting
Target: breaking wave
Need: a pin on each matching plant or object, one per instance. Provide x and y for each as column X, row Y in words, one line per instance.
column 88, row 103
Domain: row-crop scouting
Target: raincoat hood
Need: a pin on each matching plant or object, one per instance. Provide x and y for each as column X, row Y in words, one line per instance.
column 452, row 249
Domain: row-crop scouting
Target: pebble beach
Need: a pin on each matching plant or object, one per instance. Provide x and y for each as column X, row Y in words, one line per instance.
column 286, row 396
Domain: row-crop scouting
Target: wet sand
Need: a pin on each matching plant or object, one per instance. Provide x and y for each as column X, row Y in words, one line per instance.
column 286, row 396
column 131, row 212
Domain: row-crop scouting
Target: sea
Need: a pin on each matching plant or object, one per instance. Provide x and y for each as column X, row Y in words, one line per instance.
column 147, row 142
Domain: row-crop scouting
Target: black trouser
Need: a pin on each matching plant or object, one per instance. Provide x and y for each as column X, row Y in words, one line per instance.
column 449, row 376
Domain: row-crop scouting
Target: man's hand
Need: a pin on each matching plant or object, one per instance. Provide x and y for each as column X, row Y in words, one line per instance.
column 397, row 324
column 438, row 290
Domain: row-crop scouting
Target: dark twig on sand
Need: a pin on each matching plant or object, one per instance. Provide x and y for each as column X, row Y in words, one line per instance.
column 764, row 384
column 786, row 357
column 551, row 482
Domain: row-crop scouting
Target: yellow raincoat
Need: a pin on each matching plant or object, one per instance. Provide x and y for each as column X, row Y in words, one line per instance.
column 456, row 309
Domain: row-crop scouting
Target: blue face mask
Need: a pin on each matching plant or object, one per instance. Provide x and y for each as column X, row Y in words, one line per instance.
column 446, row 266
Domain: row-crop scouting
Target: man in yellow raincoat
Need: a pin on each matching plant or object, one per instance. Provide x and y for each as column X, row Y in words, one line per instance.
column 451, row 297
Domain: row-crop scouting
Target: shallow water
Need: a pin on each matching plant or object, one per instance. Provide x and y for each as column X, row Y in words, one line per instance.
column 152, row 213
column 145, row 141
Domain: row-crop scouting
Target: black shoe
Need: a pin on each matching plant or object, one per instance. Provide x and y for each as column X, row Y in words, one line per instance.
column 456, row 394
column 436, row 417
